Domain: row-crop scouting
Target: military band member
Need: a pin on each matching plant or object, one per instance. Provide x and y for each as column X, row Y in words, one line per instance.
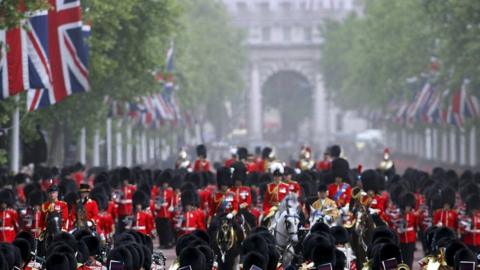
column 8, row 217
column 407, row 227
column 105, row 226
column 35, row 200
column 224, row 199
column 143, row 220
column 125, row 208
column 163, row 206
column 470, row 223
column 275, row 192
column 243, row 194
column 191, row 219
column 201, row 163
column 54, row 205
column 340, row 191
column 324, row 206
column 370, row 180
column 90, row 206
column 446, row 216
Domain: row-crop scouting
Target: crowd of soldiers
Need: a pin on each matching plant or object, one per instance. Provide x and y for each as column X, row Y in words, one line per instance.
column 76, row 218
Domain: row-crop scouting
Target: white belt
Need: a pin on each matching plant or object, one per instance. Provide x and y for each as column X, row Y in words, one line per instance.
column 6, row 228
column 139, row 228
column 189, row 228
column 125, row 201
column 473, row 231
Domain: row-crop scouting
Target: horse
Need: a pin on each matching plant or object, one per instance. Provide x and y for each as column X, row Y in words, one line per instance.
column 226, row 237
column 284, row 226
column 52, row 228
column 246, row 220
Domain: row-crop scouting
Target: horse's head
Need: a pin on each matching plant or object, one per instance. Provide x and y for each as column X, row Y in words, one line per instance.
column 54, row 223
column 291, row 221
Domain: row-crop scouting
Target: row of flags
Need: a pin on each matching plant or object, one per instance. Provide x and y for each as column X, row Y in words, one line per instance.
column 433, row 106
column 46, row 56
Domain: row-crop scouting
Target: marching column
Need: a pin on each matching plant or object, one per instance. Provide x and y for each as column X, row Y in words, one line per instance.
column 255, row 105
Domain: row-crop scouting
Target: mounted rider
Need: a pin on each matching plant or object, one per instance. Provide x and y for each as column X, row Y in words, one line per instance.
column 324, row 206
column 53, row 204
column 276, row 191
column 340, row 191
column 224, row 199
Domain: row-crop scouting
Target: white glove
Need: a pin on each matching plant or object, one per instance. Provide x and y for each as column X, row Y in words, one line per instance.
column 230, row 216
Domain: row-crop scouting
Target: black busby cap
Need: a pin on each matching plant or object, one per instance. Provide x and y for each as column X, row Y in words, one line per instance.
column 335, row 151
column 239, row 172
column 27, row 236
column 254, row 258
column 224, row 177
column 7, row 197
column 322, row 188
column 242, row 153
column 340, row 234
column 465, row 259
column 255, row 242
column 383, row 231
column 84, row 188
column 57, row 261
column 25, row 249
column 340, row 168
column 202, row 235
column 385, row 253
column 448, row 196
column 139, row 197
column 165, row 176
column 188, row 197
column 323, row 252
column 192, row 257
column 452, row 248
column 408, row 199
column 201, row 150
column 93, row 244
column 473, row 202
column 266, row 152
column 441, row 237
column 370, row 180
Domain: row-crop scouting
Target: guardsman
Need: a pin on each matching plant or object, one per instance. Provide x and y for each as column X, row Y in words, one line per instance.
column 340, row 191
column 201, row 163
column 223, row 199
column 324, row 207
column 8, row 217
column 90, row 206
column 293, row 186
column 370, row 180
column 233, row 157
column 276, row 191
column 243, row 194
column 142, row 217
column 470, row 223
column 325, row 164
column 407, row 227
column 191, row 218
column 447, row 216
column 268, row 155
column 35, row 200
column 53, row 204
column 163, row 206
column 125, row 203
column 105, row 224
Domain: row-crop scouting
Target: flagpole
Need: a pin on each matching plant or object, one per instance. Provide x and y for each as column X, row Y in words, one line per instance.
column 119, row 144
column 83, row 146
column 96, row 148
column 109, row 142
column 15, row 139
column 129, row 145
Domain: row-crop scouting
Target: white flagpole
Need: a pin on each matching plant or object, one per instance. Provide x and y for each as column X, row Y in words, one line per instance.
column 83, row 146
column 15, row 139
column 109, row 142
column 96, row 148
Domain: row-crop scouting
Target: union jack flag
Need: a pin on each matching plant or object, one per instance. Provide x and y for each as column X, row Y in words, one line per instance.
column 67, row 53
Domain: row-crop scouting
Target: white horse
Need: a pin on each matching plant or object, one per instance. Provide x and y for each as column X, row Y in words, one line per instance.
column 284, row 227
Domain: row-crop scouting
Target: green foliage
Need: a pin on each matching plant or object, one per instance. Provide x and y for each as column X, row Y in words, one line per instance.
column 11, row 15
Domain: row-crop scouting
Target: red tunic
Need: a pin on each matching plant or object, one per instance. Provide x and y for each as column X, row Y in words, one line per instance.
column 341, row 194
column 227, row 200
column 58, row 206
column 9, row 225
column 105, row 225
column 144, row 222
column 164, row 205
column 230, row 162
column 201, row 166
column 113, row 209
column 471, row 234
column 243, row 195
column 294, row 187
column 192, row 220
column 125, row 205
column 444, row 218
column 78, row 177
column 408, row 232
column 252, row 167
column 323, row 165
column 274, row 195
column 33, row 224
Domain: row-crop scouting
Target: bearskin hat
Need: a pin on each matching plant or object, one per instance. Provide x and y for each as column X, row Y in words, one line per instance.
column 209, row 256
column 335, row 151
column 224, row 177
column 201, row 150
column 383, row 231
column 121, row 254
column 370, row 180
column 464, row 257
column 255, row 242
column 254, row 258
column 165, row 176
column 452, row 248
column 139, row 197
column 36, row 197
column 473, row 203
column 192, row 257
column 340, row 168
column 7, row 197
column 196, row 178
column 242, row 153
column 408, row 199
column 340, row 234
column 385, row 252
column 30, row 188
column 448, row 196
column 58, row 261
column 323, row 252
column 188, row 197
column 93, row 244
column 441, row 237
column 239, row 172
column 25, row 249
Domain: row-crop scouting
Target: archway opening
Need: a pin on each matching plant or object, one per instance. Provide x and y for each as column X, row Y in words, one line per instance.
column 288, row 103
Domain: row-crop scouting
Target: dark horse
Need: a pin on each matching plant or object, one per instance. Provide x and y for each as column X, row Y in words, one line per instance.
column 226, row 237
column 52, row 228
